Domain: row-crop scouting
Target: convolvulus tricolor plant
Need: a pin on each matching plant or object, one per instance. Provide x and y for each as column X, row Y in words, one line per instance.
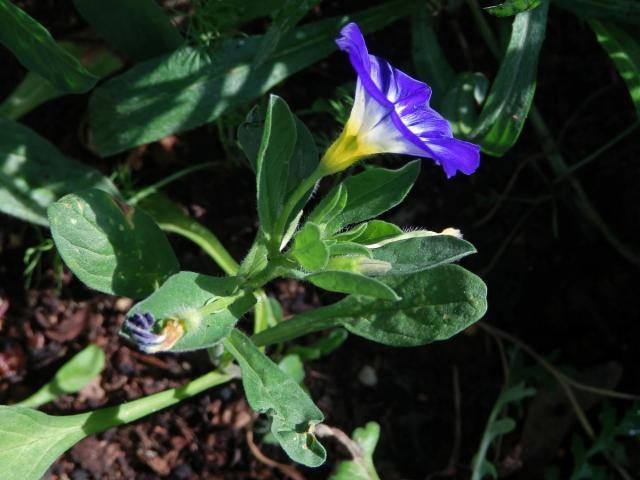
column 401, row 287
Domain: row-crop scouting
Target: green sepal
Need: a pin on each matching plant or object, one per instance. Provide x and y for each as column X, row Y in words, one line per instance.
column 309, row 250
column 191, row 298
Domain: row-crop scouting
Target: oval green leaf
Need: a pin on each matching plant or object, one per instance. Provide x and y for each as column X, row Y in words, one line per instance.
column 110, row 246
column 271, row 391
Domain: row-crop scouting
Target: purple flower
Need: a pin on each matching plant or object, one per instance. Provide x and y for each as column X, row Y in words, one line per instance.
column 140, row 328
column 391, row 113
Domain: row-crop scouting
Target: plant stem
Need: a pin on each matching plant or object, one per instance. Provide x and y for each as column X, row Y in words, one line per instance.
column 100, row 420
column 302, row 324
column 592, row 156
column 151, row 189
column 205, row 239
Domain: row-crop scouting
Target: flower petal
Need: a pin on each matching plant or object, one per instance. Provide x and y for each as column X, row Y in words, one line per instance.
column 392, row 114
column 453, row 155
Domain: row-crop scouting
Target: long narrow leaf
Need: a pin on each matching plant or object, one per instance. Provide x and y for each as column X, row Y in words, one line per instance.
column 511, row 94
column 428, row 58
column 624, row 51
column 137, row 28
column 36, row 49
column 191, row 87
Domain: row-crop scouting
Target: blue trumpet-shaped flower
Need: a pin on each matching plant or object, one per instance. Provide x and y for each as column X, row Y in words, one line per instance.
column 391, row 114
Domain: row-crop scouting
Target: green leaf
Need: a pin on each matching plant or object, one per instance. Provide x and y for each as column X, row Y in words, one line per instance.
column 292, row 366
column 429, row 59
column 512, row 7
column 436, row 304
column 412, row 255
column 284, row 19
column 353, row 234
column 624, row 50
column 250, row 136
column 361, row 467
column 209, row 307
column 511, row 94
column 329, row 207
column 191, row 86
column 272, row 164
column 350, row 249
column 30, row 441
column 320, row 348
column 34, row 90
column 36, row 49
column 271, row 391
column 625, row 11
column 375, row 191
column 34, row 174
column 110, row 246
column 461, row 101
column 72, row 377
column 304, row 158
column 497, row 427
column 375, row 231
column 309, row 249
column 352, row 282
column 138, row 28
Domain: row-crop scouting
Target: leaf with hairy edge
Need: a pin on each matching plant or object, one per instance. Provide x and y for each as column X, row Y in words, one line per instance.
column 624, row 50
column 436, row 304
column 192, row 86
column 272, row 164
column 375, row 231
column 271, row 391
column 138, row 28
column 375, row 191
column 34, row 174
column 309, row 249
column 191, row 298
column 36, row 49
column 110, row 246
column 353, row 283
column 511, row 94
column 412, row 255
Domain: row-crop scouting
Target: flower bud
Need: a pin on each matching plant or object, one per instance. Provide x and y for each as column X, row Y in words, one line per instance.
column 359, row 264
